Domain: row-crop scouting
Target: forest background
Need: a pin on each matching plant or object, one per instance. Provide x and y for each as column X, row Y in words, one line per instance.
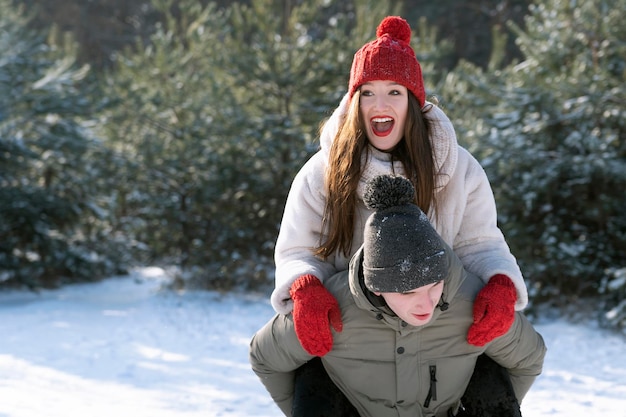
column 168, row 132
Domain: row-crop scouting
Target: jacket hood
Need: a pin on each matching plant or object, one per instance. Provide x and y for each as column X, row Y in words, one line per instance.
column 443, row 140
column 365, row 300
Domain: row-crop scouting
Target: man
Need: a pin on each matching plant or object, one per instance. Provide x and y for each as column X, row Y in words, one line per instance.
column 406, row 305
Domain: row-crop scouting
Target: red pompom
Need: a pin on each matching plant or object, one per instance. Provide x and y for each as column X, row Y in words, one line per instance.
column 396, row 27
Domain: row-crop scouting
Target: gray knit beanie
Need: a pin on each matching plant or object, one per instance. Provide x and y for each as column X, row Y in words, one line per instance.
column 401, row 249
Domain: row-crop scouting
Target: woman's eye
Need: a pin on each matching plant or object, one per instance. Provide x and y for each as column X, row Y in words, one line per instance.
column 366, row 93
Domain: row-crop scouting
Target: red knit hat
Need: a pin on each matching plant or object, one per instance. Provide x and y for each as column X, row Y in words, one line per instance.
column 389, row 57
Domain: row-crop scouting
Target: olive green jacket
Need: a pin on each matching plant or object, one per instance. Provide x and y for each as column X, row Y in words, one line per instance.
column 389, row 368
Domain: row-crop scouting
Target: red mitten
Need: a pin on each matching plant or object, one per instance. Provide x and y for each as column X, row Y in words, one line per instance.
column 314, row 311
column 494, row 310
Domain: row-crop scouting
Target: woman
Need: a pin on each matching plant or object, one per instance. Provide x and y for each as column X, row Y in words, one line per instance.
column 385, row 126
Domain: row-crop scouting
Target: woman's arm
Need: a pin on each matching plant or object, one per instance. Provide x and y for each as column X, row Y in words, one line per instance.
column 479, row 242
column 300, row 233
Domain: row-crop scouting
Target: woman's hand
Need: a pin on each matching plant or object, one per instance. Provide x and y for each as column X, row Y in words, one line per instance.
column 315, row 310
column 494, row 310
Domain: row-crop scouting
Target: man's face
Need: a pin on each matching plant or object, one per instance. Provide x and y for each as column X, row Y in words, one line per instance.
column 415, row 307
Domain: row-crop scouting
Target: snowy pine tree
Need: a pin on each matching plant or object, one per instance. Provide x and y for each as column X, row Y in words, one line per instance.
column 550, row 133
column 51, row 226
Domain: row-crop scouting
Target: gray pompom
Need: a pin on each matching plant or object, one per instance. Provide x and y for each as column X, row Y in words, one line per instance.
column 386, row 191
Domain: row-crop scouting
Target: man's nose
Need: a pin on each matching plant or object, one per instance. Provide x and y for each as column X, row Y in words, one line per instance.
column 424, row 302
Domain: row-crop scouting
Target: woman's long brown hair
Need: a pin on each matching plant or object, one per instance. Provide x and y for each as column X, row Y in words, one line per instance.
column 344, row 171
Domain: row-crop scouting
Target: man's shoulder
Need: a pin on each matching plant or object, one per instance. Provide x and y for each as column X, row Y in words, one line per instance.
column 339, row 285
column 470, row 286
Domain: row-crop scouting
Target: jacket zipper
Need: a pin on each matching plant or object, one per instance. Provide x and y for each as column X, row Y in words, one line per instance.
column 432, row 391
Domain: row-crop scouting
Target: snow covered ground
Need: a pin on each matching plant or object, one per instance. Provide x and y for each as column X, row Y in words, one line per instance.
column 123, row 348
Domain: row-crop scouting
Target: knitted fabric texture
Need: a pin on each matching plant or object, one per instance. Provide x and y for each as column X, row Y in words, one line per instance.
column 389, row 57
column 494, row 310
column 315, row 310
column 401, row 249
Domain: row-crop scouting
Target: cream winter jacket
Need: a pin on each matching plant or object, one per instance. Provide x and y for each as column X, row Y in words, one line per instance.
column 386, row 367
column 466, row 221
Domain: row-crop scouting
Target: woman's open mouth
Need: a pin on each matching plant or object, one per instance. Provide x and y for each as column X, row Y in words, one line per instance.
column 382, row 126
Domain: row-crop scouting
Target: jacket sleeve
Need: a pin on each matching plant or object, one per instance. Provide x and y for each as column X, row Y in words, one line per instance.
column 522, row 351
column 275, row 353
column 300, row 233
column 479, row 243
